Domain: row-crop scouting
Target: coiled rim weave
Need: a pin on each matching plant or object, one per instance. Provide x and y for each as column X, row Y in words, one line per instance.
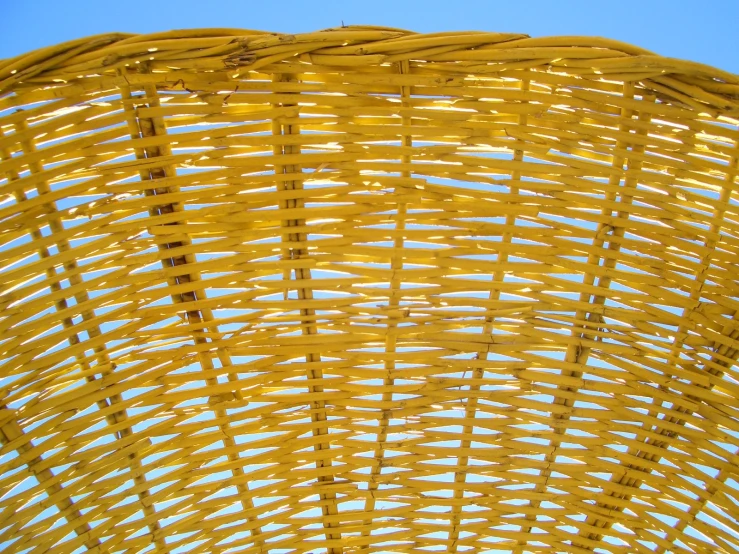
column 367, row 290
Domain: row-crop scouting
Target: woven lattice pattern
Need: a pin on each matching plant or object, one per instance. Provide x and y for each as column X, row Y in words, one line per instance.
column 367, row 290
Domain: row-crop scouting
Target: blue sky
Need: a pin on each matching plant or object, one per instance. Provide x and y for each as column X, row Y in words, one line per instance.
column 702, row 31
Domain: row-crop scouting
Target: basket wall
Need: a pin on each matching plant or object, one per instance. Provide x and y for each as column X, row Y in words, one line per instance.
column 367, row 290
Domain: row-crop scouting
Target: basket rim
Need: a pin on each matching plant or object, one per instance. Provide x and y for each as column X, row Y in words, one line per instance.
column 245, row 50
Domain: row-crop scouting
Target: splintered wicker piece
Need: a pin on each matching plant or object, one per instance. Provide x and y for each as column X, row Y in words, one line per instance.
column 365, row 290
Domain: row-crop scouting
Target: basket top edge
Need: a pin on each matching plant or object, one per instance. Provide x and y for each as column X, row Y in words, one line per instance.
column 361, row 46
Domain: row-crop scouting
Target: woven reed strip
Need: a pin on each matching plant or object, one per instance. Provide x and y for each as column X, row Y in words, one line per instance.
column 201, row 319
column 308, row 326
column 488, row 329
column 686, row 393
column 394, row 314
column 678, row 344
column 580, row 355
column 102, row 361
column 11, row 433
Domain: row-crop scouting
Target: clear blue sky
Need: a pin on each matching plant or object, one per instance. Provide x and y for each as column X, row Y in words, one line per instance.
column 700, row 31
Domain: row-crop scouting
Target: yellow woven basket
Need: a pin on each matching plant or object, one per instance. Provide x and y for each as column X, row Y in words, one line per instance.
column 365, row 290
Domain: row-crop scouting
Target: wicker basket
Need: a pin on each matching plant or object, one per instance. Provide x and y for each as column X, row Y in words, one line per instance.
column 367, row 290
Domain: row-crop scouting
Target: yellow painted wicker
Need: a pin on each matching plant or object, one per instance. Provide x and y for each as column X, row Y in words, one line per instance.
column 365, row 290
